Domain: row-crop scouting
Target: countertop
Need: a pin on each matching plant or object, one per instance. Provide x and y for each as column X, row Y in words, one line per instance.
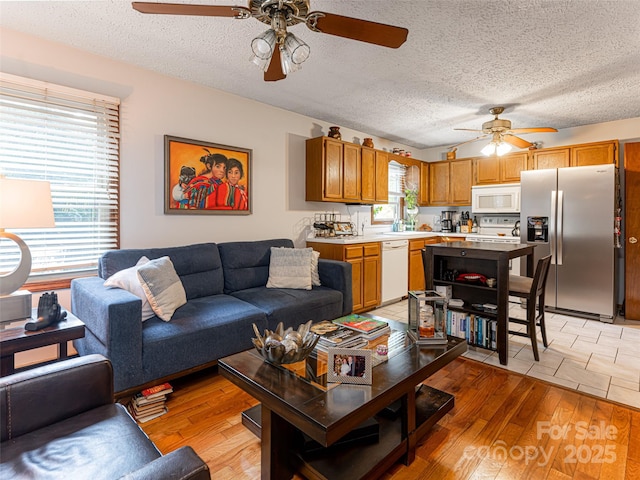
column 382, row 237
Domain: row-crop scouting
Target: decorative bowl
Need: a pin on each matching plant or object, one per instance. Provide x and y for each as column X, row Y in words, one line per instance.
column 285, row 346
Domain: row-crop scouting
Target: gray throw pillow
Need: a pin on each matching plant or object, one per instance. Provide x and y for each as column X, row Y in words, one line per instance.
column 163, row 287
column 290, row 268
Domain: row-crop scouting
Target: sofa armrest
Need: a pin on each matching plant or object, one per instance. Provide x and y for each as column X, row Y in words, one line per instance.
column 337, row 275
column 35, row 398
column 114, row 317
column 183, row 463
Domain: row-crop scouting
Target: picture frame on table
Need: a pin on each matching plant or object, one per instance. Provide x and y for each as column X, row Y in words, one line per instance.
column 349, row 365
column 343, row 228
column 204, row 178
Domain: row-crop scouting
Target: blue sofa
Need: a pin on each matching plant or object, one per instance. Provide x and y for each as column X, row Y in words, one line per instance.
column 225, row 285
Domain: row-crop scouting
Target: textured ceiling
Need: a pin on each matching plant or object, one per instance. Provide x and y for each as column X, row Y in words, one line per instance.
column 556, row 63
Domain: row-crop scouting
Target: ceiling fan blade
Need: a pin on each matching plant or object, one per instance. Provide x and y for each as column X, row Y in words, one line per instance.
column 357, row 29
column 516, row 141
column 468, row 141
column 468, row 129
column 186, row 9
column 532, row 130
column 274, row 72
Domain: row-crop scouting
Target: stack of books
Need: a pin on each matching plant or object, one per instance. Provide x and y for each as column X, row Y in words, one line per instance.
column 150, row 403
column 368, row 327
column 335, row 336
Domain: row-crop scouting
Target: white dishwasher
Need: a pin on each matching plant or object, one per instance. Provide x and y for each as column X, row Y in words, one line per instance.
column 395, row 270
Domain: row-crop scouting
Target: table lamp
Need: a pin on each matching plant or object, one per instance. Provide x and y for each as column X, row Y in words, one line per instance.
column 23, row 204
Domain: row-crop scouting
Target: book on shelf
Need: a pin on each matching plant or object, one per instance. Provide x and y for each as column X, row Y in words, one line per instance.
column 360, row 323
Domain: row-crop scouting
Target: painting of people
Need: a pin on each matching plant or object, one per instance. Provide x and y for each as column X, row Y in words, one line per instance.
column 206, row 178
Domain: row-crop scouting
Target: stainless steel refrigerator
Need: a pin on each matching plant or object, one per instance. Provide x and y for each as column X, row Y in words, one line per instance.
column 569, row 213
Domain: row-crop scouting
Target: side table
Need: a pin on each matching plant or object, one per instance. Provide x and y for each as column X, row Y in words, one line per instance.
column 17, row 339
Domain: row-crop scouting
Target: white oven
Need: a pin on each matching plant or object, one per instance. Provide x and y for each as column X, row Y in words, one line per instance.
column 503, row 198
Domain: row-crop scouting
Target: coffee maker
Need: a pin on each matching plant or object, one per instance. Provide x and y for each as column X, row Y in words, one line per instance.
column 447, row 221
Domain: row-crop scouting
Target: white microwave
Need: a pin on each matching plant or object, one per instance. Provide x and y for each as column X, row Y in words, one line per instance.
column 502, row 198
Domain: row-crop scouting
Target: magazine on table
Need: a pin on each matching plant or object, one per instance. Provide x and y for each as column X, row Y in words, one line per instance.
column 361, row 324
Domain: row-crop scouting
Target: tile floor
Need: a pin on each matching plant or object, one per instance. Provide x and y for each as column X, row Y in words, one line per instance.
column 586, row 355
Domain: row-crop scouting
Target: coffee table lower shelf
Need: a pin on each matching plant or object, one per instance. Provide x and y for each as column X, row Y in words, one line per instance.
column 370, row 460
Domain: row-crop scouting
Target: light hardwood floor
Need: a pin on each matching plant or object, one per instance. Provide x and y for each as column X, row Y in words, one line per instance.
column 504, row 426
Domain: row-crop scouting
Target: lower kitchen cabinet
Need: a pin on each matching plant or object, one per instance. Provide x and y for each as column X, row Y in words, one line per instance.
column 366, row 271
column 416, row 267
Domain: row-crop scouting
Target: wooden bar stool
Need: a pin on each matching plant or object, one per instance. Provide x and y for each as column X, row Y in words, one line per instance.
column 532, row 289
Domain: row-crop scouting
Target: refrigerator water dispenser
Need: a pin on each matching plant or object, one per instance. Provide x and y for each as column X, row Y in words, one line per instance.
column 538, row 229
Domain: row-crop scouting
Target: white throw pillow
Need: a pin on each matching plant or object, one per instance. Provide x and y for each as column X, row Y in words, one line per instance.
column 163, row 287
column 127, row 279
column 315, row 276
column 290, row 268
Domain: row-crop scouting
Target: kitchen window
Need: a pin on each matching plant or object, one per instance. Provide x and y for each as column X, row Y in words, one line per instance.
column 387, row 213
column 70, row 138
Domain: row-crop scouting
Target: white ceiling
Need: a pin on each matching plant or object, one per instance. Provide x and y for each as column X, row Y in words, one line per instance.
column 556, row 63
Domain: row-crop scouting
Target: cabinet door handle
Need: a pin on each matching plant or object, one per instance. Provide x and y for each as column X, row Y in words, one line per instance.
column 633, row 240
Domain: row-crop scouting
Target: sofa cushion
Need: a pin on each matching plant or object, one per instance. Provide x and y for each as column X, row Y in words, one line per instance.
column 163, row 287
column 293, row 307
column 198, row 266
column 201, row 331
column 102, row 443
column 290, row 268
column 128, row 280
column 246, row 264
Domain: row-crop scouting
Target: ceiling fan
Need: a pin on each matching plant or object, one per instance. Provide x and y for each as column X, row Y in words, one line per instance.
column 502, row 134
column 277, row 51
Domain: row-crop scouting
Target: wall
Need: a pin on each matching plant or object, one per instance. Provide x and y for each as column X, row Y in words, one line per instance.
column 154, row 105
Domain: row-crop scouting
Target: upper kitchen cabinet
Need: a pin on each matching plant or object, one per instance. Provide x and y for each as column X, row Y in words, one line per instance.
column 594, row 153
column 338, row 171
column 382, row 177
column 450, row 182
column 551, row 158
column 423, row 197
column 597, row 153
column 494, row 169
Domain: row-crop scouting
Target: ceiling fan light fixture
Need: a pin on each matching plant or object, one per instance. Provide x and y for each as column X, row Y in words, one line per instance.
column 297, row 49
column 263, row 45
column 262, row 63
column 503, row 148
column 489, row 149
column 288, row 65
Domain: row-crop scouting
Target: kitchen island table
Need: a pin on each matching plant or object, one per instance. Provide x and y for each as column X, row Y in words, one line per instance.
column 444, row 263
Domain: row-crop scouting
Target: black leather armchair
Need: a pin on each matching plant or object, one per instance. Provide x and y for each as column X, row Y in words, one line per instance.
column 60, row 421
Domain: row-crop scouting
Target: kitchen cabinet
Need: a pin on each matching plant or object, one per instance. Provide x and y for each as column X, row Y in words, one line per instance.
column 366, row 271
column 344, row 172
column 594, row 154
column 423, row 196
column 382, row 177
column 416, row 267
column 581, row 155
column 494, row 169
column 368, row 175
column 450, row 182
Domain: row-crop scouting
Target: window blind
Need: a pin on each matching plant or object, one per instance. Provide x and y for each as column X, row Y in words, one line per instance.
column 70, row 138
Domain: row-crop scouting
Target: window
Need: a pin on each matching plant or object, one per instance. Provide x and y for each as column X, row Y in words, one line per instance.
column 72, row 139
column 387, row 213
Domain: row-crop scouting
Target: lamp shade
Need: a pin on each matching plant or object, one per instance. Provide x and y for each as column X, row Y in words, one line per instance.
column 25, row 204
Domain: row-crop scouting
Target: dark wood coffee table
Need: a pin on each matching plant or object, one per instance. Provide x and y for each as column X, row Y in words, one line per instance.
column 294, row 400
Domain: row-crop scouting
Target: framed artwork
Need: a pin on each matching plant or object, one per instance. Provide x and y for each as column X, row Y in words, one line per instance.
column 203, row 178
column 349, row 365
